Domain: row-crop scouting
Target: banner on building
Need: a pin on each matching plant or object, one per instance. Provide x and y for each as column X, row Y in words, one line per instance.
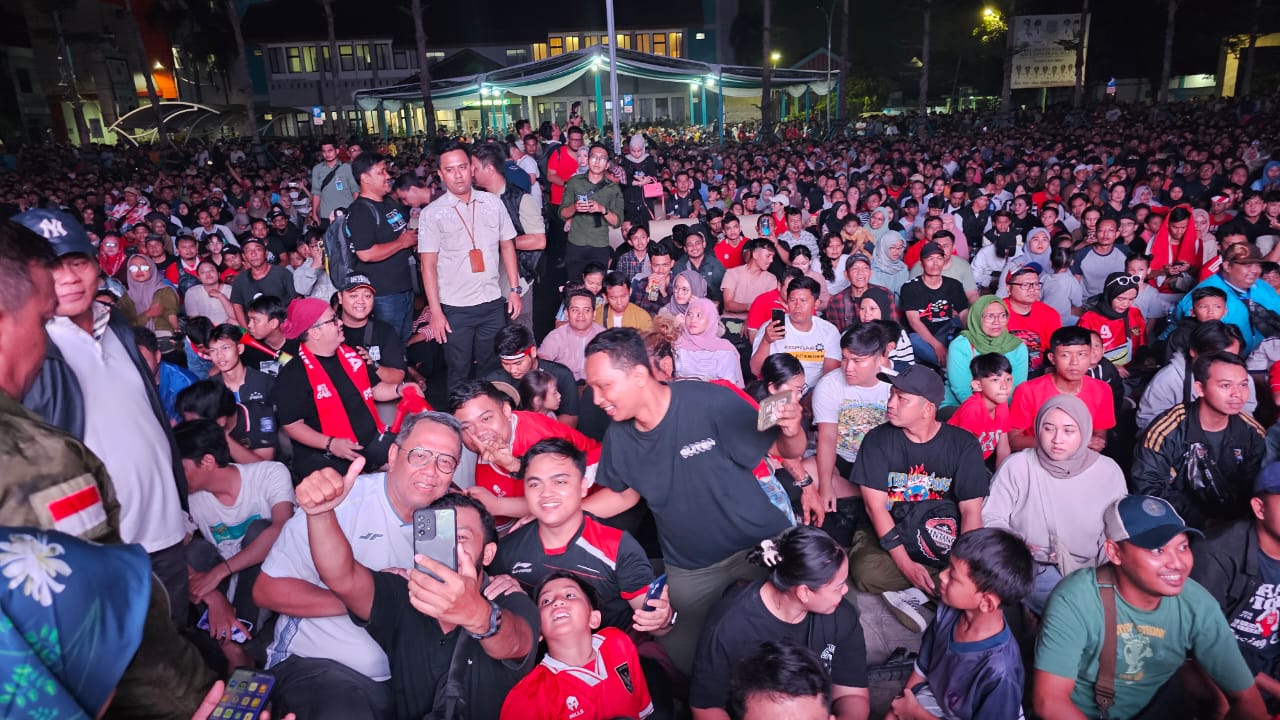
column 1046, row 54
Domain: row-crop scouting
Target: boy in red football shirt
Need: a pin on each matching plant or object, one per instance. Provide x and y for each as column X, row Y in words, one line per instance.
column 986, row 412
column 1070, row 351
column 583, row 676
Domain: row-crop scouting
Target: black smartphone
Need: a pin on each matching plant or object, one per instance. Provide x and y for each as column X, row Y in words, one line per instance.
column 435, row 535
column 655, row 591
column 779, row 316
column 245, row 696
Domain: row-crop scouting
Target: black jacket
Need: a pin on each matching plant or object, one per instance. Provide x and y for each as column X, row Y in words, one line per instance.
column 56, row 396
column 1226, row 564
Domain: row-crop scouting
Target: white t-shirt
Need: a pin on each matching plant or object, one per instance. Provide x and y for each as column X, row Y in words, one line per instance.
column 854, row 410
column 379, row 540
column 263, row 485
column 121, row 428
column 821, row 342
column 530, row 166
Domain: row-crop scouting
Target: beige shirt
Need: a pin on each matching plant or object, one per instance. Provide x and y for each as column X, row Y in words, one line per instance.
column 447, row 227
column 746, row 286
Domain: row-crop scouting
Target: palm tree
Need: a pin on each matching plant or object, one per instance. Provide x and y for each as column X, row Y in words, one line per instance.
column 843, row 82
column 424, row 73
column 203, row 39
column 246, row 84
column 339, row 125
column 1166, row 70
column 766, row 77
column 1077, row 93
column 922, row 101
column 162, row 137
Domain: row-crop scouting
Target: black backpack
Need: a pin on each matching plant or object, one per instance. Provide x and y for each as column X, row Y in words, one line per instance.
column 340, row 255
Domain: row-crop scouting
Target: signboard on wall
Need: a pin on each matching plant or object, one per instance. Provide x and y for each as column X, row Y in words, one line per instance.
column 628, row 104
column 317, row 115
column 1046, row 56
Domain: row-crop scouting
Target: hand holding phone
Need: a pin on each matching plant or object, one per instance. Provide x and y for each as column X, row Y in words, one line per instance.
column 245, row 695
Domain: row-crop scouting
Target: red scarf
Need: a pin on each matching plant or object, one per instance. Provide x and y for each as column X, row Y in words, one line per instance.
column 111, row 264
column 334, row 421
column 1163, row 253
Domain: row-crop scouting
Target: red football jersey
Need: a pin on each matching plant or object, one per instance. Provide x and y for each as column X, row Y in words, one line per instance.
column 612, row 687
column 527, row 428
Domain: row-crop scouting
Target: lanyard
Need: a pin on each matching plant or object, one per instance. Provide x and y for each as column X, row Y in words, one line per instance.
column 470, row 233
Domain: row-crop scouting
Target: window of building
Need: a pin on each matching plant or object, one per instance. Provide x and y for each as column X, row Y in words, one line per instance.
column 309, row 61
column 589, row 40
column 624, row 41
column 400, row 59
column 556, row 46
column 540, row 51
column 642, row 43
column 295, row 59
column 346, row 55
column 571, row 43
column 659, row 43
column 517, row 55
column 275, row 56
column 675, row 44
column 362, row 56
column 380, row 54
column 434, row 57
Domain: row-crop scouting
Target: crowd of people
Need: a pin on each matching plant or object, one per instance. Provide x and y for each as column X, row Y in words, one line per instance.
column 666, row 409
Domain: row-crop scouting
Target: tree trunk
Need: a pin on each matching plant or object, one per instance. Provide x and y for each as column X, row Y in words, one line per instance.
column 73, row 92
column 1010, row 52
column 1077, row 93
column 766, row 74
column 340, row 123
column 922, row 101
column 162, row 137
column 1246, row 83
column 1166, row 69
column 841, row 106
column 424, row 75
column 246, row 84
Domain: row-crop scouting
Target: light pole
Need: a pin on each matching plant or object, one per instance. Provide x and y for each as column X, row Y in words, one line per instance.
column 829, row 15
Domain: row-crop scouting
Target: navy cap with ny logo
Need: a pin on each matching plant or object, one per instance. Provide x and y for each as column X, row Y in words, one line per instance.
column 61, row 230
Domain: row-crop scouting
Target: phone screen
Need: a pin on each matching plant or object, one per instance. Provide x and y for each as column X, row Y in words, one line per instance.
column 245, row 696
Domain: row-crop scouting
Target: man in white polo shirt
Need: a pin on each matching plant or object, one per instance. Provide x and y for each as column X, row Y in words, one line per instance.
column 326, row 666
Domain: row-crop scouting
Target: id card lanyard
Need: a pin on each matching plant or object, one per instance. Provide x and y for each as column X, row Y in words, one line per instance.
column 476, row 255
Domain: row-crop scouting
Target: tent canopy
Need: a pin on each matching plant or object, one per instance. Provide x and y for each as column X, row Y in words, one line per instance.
column 545, row 77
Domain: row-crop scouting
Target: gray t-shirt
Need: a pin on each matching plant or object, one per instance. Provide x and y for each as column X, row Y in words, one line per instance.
column 1093, row 268
column 338, row 193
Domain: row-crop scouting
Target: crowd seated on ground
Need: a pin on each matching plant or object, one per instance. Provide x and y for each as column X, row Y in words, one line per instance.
column 517, row 428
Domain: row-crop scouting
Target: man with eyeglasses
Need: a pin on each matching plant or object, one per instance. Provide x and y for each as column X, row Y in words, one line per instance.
column 325, row 399
column 1093, row 263
column 1030, row 320
column 325, row 665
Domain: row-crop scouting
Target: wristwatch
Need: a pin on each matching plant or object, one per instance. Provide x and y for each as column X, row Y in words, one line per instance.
column 803, row 482
column 495, row 623
column 515, row 289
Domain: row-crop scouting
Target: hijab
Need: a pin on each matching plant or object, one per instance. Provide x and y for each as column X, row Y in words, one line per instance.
column 636, row 141
column 707, row 339
column 884, row 270
column 1080, row 460
column 1006, row 342
column 75, row 612
column 111, row 264
column 887, row 212
column 697, row 283
column 1046, row 265
column 881, row 299
column 1117, row 284
column 143, row 293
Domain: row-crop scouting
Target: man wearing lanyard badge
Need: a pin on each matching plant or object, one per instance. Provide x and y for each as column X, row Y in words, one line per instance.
column 468, row 261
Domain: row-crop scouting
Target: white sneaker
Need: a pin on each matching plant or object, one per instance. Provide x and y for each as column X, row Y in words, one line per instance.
column 909, row 607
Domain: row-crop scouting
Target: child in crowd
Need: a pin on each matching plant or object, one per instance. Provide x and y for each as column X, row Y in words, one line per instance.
column 538, row 393
column 1207, row 304
column 1062, row 291
column 593, row 281
column 969, row 664
column 986, row 412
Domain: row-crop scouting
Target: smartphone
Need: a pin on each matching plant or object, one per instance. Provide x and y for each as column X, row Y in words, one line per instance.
column 779, row 316
column 435, row 534
column 766, row 226
column 655, row 591
column 768, row 416
column 245, row 696
column 236, row 634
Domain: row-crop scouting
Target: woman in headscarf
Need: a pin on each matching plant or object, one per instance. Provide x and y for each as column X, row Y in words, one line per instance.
column 986, row 331
column 887, row 268
column 1053, row 495
column 1176, row 254
column 686, row 286
column 111, row 257
column 1120, row 325
column 878, row 222
column 1038, row 248
column 641, row 169
column 833, row 218
column 1208, row 241
column 150, row 301
column 699, row 352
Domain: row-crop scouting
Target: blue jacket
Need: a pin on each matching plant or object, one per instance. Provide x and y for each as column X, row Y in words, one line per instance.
column 1237, row 312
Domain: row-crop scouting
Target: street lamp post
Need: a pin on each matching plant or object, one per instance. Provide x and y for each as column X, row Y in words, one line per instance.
column 829, row 14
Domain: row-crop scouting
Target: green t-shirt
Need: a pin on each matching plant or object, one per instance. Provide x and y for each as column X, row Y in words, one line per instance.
column 1150, row 646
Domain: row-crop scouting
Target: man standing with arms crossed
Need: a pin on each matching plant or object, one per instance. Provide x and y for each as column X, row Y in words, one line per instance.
column 332, row 184
column 468, row 261
column 526, row 216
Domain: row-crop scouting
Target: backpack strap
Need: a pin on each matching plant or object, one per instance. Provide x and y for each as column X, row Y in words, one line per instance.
column 1104, row 688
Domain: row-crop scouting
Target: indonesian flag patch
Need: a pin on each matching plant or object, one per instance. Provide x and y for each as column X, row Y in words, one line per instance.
column 73, row 507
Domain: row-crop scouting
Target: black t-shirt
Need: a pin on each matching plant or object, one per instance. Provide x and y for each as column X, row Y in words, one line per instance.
column 256, row 417
column 949, row 466
column 696, row 470
column 938, row 307
column 379, row 339
column 608, row 558
column 740, row 623
column 287, row 240
column 1257, row 624
column 256, row 360
column 295, row 400
column 369, row 224
column 278, row 282
column 565, row 383
column 420, row 654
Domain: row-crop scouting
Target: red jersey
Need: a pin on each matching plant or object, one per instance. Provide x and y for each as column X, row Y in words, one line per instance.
column 565, row 163
column 1120, row 337
column 972, row 415
column 730, row 255
column 527, row 428
column 612, row 686
column 761, row 310
column 177, row 269
column 1034, row 329
column 1030, row 395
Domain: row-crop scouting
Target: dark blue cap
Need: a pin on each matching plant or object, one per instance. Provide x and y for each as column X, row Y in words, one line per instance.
column 61, row 230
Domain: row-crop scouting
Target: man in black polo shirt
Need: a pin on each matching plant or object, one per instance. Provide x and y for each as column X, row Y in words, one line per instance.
column 518, row 352
column 258, row 278
column 692, row 450
column 375, row 340
column 380, row 236
column 419, row 620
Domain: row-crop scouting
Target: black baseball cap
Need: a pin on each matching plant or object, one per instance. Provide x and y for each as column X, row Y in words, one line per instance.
column 917, row 380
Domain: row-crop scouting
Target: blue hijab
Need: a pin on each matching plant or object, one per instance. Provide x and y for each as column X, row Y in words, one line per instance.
column 71, row 616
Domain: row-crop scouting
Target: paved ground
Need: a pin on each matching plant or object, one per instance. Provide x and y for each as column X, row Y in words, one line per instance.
column 883, row 633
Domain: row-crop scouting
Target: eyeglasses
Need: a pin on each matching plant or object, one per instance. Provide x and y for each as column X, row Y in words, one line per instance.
column 1032, row 284
column 139, row 268
column 1126, row 281
column 420, row 456
column 335, row 320
column 995, row 316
